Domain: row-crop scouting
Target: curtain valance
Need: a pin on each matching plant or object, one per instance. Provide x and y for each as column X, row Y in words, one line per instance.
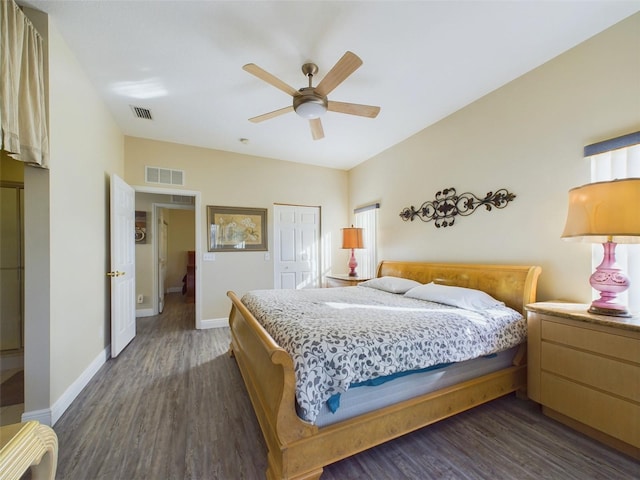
column 23, row 126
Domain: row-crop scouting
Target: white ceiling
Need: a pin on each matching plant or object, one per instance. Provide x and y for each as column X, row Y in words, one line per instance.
column 423, row 60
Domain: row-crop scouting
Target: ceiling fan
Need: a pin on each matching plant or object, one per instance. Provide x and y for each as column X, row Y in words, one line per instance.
column 312, row 102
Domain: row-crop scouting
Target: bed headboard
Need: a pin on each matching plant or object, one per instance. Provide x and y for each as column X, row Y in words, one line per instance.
column 515, row 285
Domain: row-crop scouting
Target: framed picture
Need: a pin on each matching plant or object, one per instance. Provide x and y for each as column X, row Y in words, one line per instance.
column 236, row 229
column 141, row 227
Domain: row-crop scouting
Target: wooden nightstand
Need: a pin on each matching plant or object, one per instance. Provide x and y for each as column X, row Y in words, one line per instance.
column 342, row 280
column 584, row 370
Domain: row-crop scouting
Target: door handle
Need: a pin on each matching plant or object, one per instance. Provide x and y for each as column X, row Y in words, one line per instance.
column 115, row 274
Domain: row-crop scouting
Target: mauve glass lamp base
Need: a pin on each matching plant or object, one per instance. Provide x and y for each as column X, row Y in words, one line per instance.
column 609, row 280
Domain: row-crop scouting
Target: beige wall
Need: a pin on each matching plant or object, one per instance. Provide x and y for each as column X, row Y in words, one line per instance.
column 67, row 291
column 144, row 251
column 181, row 239
column 10, row 170
column 232, row 179
column 527, row 137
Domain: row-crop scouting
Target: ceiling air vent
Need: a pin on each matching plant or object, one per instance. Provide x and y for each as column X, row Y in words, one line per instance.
column 163, row 176
column 141, row 112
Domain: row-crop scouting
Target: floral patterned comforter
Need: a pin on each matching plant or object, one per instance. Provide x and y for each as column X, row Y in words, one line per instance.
column 340, row 336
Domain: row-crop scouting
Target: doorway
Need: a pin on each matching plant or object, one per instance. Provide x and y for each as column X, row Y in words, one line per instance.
column 170, row 207
column 174, row 245
column 11, row 301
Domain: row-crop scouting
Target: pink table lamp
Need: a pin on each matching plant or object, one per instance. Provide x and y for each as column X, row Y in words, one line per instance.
column 607, row 213
column 352, row 238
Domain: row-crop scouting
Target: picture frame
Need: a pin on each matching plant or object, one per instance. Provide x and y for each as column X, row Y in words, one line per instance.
column 141, row 226
column 236, row 229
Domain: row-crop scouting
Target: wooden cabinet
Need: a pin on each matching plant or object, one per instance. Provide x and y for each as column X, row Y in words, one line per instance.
column 342, row 280
column 191, row 277
column 584, row 370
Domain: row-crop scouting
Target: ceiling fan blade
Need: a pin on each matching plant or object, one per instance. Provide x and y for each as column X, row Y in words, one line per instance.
column 253, row 69
column 354, row 109
column 275, row 113
column 317, row 131
column 348, row 64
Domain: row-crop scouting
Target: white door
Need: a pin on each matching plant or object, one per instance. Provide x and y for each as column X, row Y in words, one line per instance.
column 123, row 265
column 162, row 261
column 296, row 246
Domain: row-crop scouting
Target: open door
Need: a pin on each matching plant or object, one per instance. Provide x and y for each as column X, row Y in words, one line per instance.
column 123, row 265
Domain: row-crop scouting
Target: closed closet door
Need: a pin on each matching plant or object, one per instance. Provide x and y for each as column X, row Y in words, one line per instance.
column 11, row 268
column 296, row 246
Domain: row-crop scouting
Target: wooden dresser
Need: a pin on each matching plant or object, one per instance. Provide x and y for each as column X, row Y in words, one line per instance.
column 584, row 370
column 342, row 280
column 190, row 277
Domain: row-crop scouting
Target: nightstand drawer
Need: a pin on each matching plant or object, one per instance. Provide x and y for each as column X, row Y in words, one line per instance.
column 617, row 346
column 603, row 373
column 611, row 415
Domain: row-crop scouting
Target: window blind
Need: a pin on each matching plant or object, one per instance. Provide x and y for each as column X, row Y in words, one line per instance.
column 366, row 217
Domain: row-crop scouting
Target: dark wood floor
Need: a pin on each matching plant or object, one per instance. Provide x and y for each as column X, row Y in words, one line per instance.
column 173, row 406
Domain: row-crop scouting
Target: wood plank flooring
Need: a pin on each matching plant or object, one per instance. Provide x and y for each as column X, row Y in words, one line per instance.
column 173, row 406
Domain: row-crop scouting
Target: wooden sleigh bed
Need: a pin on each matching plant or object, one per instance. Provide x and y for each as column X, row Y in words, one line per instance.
column 300, row 450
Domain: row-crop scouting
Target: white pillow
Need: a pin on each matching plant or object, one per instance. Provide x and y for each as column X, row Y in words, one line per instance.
column 460, row 297
column 390, row 284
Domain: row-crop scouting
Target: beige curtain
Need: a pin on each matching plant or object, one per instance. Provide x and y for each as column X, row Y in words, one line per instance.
column 23, row 126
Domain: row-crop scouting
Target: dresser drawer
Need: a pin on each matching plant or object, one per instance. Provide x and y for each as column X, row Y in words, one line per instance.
column 611, row 415
column 617, row 346
column 604, row 373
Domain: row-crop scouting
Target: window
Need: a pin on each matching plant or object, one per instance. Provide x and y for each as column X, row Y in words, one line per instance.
column 367, row 258
column 616, row 159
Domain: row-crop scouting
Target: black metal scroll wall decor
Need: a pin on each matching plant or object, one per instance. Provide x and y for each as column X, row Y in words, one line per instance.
column 448, row 204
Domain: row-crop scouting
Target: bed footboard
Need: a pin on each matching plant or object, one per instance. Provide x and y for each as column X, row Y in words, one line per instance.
column 267, row 371
column 299, row 450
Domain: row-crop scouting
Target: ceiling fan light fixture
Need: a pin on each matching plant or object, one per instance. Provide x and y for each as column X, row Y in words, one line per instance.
column 309, row 105
column 311, row 110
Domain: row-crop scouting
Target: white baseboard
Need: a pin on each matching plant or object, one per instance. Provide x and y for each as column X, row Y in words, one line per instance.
column 145, row 312
column 42, row 416
column 213, row 323
column 52, row 415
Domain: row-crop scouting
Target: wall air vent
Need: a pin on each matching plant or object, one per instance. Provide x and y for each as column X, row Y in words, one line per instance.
column 182, row 199
column 163, row 176
column 141, row 112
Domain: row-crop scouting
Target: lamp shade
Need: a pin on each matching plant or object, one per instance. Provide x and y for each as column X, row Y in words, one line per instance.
column 604, row 211
column 352, row 238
